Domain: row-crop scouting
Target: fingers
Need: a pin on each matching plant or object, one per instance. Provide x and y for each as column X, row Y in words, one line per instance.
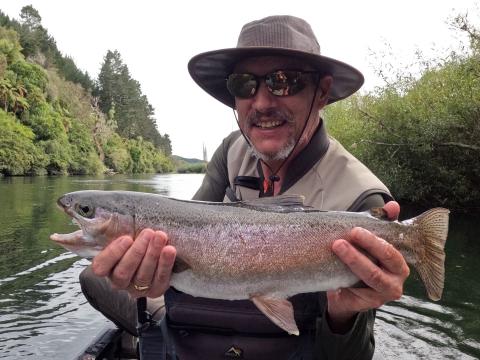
column 161, row 278
column 148, row 265
column 142, row 267
column 388, row 276
column 360, row 265
column 387, row 256
column 126, row 268
column 104, row 262
column 393, row 210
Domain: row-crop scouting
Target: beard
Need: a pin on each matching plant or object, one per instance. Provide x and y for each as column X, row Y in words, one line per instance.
column 255, row 118
column 281, row 154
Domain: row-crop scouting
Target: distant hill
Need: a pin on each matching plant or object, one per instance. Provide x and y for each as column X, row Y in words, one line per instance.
column 186, row 165
column 187, row 160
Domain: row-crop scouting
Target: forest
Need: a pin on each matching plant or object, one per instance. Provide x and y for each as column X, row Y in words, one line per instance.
column 55, row 119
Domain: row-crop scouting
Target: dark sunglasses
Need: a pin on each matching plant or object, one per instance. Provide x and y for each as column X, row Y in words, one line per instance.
column 279, row 83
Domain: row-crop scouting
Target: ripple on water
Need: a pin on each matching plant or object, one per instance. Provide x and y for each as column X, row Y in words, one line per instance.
column 53, row 319
column 416, row 329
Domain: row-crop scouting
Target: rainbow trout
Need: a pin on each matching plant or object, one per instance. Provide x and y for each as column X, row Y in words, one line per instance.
column 265, row 250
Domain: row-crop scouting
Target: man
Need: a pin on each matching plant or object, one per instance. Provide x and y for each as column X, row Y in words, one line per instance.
column 277, row 82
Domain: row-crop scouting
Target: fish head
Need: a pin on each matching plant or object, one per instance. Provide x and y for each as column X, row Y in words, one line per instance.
column 101, row 220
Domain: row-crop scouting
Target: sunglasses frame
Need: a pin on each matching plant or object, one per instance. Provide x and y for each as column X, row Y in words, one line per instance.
column 274, row 90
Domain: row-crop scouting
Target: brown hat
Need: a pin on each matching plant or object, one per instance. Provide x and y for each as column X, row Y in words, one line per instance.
column 274, row 35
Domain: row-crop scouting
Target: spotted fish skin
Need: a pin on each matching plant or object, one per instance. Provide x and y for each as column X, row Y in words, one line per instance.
column 265, row 250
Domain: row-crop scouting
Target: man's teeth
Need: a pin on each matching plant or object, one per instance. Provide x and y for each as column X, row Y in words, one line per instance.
column 269, row 124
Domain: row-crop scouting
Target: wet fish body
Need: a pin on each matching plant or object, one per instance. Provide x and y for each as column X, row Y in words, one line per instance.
column 265, row 250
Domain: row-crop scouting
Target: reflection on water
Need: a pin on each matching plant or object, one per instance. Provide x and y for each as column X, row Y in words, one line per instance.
column 44, row 315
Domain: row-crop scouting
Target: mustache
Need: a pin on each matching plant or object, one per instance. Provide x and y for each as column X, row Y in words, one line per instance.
column 256, row 116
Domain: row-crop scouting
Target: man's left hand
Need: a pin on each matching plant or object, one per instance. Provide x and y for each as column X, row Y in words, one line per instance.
column 384, row 277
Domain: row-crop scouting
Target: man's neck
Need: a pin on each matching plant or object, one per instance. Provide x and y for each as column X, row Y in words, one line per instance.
column 272, row 167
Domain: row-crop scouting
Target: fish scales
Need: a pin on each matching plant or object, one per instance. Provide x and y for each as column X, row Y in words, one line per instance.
column 265, row 250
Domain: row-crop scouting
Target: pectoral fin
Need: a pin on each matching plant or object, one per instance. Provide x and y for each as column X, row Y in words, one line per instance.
column 280, row 311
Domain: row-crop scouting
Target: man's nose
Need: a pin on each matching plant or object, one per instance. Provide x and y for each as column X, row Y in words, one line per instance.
column 263, row 98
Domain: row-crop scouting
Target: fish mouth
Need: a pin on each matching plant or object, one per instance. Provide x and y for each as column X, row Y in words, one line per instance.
column 77, row 243
column 76, row 237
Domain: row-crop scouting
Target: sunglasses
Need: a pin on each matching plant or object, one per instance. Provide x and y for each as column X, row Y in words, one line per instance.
column 279, row 83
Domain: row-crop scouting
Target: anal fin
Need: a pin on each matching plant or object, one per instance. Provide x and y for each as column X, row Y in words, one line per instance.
column 280, row 311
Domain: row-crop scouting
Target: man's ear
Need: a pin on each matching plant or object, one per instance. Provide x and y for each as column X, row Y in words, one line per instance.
column 324, row 90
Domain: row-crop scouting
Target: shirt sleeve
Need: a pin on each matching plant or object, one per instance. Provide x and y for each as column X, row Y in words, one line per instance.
column 359, row 342
column 356, row 344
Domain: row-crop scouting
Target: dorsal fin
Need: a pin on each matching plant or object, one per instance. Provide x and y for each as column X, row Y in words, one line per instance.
column 281, row 203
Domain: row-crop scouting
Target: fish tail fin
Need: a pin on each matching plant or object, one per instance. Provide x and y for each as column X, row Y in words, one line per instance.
column 432, row 227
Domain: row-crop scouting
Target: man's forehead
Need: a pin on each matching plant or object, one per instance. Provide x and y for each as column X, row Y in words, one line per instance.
column 267, row 63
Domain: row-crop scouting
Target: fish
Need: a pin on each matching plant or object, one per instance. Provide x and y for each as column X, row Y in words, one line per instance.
column 265, row 250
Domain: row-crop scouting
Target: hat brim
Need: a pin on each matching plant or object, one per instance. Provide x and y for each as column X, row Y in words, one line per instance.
column 210, row 70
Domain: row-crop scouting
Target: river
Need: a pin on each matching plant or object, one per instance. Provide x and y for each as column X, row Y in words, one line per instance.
column 43, row 313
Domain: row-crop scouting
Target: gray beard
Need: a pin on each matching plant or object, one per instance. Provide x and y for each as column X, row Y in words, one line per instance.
column 282, row 154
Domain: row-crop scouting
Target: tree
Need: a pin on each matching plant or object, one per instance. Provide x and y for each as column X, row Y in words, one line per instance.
column 30, row 17
column 121, row 95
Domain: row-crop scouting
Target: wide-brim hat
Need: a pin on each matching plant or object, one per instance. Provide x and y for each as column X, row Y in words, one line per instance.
column 275, row 35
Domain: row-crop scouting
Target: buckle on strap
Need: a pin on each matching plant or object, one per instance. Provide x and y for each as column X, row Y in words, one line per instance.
column 145, row 319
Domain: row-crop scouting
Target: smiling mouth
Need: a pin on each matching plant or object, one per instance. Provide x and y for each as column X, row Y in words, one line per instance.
column 269, row 124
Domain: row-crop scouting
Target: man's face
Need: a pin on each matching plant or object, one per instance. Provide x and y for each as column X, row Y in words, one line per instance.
column 274, row 123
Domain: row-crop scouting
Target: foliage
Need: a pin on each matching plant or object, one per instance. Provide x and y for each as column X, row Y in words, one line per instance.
column 117, row 156
column 121, row 95
column 37, row 45
column 187, row 166
column 50, row 123
column 146, row 159
column 420, row 136
column 84, row 158
column 198, row 168
column 18, row 154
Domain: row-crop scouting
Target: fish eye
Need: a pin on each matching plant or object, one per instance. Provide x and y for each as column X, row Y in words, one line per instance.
column 84, row 210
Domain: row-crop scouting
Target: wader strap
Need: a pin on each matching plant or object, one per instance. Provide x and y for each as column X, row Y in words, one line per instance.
column 156, row 342
column 143, row 316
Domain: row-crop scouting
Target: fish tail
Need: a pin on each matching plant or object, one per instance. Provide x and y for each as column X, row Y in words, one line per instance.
column 432, row 227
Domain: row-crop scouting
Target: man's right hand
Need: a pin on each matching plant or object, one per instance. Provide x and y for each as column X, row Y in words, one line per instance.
column 142, row 267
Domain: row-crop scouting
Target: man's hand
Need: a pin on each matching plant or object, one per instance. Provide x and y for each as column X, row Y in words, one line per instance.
column 142, row 267
column 384, row 278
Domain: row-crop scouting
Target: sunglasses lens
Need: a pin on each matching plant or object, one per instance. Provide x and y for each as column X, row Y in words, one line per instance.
column 285, row 83
column 279, row 83
column 242, row 85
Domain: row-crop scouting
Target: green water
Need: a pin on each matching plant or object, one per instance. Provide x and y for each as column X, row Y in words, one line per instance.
column 44, row 315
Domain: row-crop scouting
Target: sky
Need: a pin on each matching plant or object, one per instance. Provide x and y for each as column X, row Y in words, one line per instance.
column 156, row 39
